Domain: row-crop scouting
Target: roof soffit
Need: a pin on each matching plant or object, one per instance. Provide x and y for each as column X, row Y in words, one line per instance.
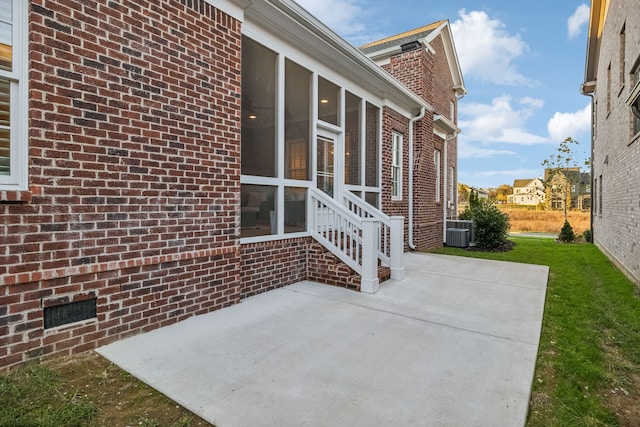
column 597, row 19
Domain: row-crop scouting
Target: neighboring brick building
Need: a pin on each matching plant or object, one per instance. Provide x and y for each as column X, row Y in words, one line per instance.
column 157, row 160
column 612, row 78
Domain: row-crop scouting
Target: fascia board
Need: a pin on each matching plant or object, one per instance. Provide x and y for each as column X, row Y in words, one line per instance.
column 233, row 8
column 445, row 125
column 596, row 23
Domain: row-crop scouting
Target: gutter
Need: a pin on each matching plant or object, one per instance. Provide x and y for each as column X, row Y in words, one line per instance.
column 420, row 116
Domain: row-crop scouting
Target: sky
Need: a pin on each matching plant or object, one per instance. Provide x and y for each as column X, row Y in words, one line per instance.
column 522, row 64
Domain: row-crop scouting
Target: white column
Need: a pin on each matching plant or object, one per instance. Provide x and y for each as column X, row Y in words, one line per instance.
column 397, row 248
column 369, row 281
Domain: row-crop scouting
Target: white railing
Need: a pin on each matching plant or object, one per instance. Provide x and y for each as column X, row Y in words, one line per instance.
column 390, row 244
column 348, row 236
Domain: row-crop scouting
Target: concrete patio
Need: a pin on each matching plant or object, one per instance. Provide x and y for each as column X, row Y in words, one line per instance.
column 453, row 344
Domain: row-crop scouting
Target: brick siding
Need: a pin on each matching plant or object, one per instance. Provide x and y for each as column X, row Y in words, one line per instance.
column 134, row 117
column 616, row 227
column 427, row 75
column 270, row 265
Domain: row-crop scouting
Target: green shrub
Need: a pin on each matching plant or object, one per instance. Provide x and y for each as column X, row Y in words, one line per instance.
column 566, row 234
column 492, row 225
column 587, row 236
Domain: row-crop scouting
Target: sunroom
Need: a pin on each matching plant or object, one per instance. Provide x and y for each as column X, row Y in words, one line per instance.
column 313, row 137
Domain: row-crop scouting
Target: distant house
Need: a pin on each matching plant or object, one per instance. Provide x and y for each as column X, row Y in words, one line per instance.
column 612, row 80
column 482, row 193
column 527, row 192
column 572, row 182
column 162, row 159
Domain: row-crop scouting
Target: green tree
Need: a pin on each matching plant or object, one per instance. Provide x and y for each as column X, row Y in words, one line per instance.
column 474, row 200
column 491, row 224
column 562, row 172
column 463, row 192
column 501, row 193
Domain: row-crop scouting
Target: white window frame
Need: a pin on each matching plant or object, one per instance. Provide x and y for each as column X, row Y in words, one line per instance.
column 436, row 161
column 396, row 166
column 18, row 178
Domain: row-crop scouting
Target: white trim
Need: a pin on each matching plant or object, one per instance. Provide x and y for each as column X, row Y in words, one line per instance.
column 234, row 9
column 634, row 95
column 437, row 161
column 18, row 179
column 396, row 139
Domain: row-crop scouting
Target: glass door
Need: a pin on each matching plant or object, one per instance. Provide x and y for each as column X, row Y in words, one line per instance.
column 326, row 158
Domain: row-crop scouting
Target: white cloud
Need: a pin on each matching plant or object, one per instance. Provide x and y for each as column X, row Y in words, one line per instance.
column 532, row 102
column 345, row 17
column 469, row 151
column 563, row 125
column 576, row 21
column 506, row 172
column 500, row 122
column 486, row 51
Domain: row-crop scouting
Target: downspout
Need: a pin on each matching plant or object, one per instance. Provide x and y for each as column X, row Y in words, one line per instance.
column 420, row 116
column 459, row 98
column 593, row 189
column 445, row 188
column 593, row 98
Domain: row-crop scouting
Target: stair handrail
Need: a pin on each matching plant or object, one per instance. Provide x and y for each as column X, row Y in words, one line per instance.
column 390, row 245
column 349, row 237
column 365, row 210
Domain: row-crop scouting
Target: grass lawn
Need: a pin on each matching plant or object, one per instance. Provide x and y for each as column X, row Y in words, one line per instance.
column 587, row 372
column 85, row 390
column 588, row 366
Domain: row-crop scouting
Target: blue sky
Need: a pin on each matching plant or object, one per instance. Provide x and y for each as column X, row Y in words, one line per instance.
column 522, row 63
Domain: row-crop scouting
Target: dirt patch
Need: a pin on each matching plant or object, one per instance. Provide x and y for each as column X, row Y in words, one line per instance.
column 121, row 399
column 625, row 405
column 623, row 394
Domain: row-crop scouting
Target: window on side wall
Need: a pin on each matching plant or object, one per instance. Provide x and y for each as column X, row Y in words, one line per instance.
column 396, row 166
column 600, row 196
column 635, row 98
column 595, row 196
column 13, row 96
column 622, row 48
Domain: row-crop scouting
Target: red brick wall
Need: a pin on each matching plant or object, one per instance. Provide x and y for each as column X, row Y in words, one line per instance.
column 393, row 121
column 270, row 265
column 416, row 69
column 443, row 95
column 134, row 169
column 443, row 92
